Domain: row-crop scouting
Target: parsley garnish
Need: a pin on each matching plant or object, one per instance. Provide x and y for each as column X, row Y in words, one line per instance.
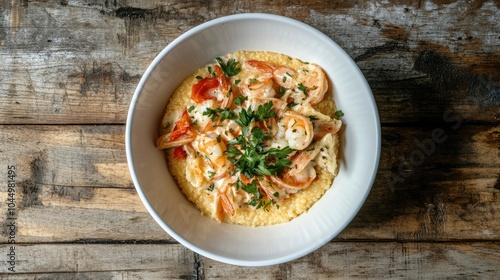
column 240, row 99
column 247, row 151
column 224, row 114
column 302, row 88
column 339, row 113
column 281, row 92
column 246, row 117
column 257, row 198
column 229, row 68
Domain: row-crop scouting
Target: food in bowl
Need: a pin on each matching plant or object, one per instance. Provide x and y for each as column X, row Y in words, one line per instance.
column 252, row 138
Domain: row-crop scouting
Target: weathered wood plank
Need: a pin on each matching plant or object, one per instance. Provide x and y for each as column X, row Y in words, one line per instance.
column 99, row 261
column 451, row 193
column 425, row 189
column 59, row 156
column 420, row 59
column 376, row 261
column 72, row 183
column 334, row 260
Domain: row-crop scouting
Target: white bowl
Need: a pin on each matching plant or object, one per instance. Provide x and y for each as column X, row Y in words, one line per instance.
column 241, row 245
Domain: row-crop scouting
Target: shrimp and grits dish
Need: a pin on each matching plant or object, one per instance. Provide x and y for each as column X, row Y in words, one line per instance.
column 252, row 138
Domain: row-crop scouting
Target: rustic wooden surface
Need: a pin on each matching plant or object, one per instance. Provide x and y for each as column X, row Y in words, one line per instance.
column 67, row 74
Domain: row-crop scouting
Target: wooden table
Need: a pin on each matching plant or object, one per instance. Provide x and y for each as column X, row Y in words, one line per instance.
column 68, row 208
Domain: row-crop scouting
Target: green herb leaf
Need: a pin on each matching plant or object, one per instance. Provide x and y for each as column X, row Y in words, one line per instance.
column 281, row 92
column 339, row 113
column 239, row 100
column 230, row 68
column 302, row 88
column 224, row 114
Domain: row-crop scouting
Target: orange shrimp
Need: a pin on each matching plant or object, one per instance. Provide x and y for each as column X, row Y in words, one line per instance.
column 224, row 200
column 313, row 78
column 296, row 129
column 281, row 75
column 215, row 88
column 181, row 134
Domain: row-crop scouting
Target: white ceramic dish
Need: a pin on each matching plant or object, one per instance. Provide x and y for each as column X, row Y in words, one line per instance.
column 241, row 245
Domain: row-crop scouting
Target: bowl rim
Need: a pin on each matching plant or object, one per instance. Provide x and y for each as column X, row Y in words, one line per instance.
column 130, row 118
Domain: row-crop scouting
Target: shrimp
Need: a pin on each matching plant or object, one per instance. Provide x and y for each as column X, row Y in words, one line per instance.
column 269, row 125
column 284, row 77
column 296, row 129
column 294, row 183
column 268, row 79
column 313, row 78
column 215, row 88
column 323, row 148
column 212, row 150
column 224, row 200
column 180, row 135
column 272, row 191
column 302, row 159
column 322, row 128
column 228, row 130
column 258, row 88
column 281, row 75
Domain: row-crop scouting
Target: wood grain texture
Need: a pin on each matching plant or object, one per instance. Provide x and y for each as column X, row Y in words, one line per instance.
column 419, row 59
column 377, row 261
column 72, row 178
column 364, row 260
column 68, row 72
column 101, row 261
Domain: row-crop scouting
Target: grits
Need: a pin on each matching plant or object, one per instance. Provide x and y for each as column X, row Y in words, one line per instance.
column 191, row 171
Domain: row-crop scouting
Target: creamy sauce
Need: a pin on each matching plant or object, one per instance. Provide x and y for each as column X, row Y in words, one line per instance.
column 210, row 139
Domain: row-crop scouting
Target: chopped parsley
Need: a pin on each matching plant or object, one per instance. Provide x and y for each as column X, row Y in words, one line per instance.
column 224, row 114
column 302, row 88
column 281, row 92
column 250, row 156
column 339, row 113
column 230, row 68
column 248, row 152
column 238, row 100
